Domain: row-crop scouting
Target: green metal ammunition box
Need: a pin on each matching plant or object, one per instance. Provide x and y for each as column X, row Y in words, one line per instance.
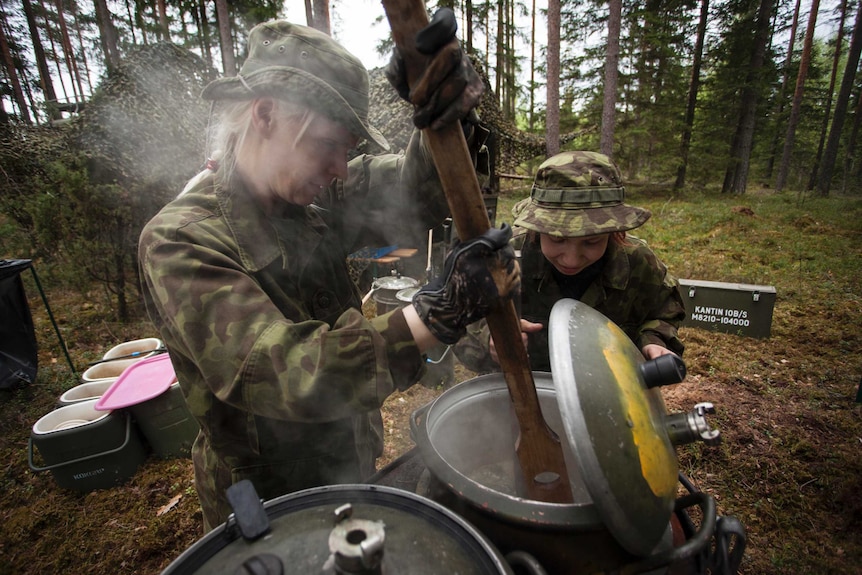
column 741, row 309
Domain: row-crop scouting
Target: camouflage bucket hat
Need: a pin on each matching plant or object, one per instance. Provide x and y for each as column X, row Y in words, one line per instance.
column 578, row 194
column 303, row 65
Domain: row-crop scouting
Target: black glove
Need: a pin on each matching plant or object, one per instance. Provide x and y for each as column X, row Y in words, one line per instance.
column 449, row 87
column 466, row 291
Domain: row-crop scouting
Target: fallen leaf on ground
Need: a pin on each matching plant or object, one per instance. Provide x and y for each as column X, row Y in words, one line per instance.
column 169, row 505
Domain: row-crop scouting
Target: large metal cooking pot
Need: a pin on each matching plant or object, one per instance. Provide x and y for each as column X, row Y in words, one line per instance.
column 623, row 497
column 333, row 530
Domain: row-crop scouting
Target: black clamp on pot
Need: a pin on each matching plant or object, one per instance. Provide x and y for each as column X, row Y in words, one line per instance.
column 249, row 514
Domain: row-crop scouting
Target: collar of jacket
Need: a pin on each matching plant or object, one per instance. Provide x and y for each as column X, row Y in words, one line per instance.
column 536, row 267
column 258, row 241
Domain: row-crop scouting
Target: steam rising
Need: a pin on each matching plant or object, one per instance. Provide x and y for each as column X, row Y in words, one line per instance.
column 475, row 434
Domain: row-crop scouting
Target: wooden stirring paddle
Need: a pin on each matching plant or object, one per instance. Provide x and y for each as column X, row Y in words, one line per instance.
column 539, row 451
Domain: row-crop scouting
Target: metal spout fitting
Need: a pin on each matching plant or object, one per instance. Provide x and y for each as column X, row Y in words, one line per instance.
column 688, row 427
column 356, row 545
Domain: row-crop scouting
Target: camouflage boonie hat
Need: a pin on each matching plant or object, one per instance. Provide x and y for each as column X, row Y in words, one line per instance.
column 578, row 194
column 303, row 65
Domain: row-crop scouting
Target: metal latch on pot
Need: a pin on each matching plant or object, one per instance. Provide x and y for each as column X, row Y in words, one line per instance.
column 248, row 511
column 356, row 545
column 683, row 428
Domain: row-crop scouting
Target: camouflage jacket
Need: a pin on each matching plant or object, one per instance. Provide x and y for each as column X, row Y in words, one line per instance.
column 634, row 290
column 265, row 331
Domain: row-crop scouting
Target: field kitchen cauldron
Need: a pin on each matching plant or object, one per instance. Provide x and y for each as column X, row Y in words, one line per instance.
column 340, row 529
column 604, row 403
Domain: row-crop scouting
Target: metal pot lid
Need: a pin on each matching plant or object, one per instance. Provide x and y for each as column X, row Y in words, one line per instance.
column 304, row 530
column 394, row 282
column 614, row 425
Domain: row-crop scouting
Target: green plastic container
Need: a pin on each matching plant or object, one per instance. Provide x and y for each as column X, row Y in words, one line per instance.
column 86, row 449
column 167, row 424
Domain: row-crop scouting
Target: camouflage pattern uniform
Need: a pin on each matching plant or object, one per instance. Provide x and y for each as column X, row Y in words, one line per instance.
column 578, row 194
column 263, row 324
column 264, row 328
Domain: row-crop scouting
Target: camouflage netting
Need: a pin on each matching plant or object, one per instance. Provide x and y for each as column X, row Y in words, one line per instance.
column 391, row 115
column 144, row 129
column 146, row 123
column 24, row 153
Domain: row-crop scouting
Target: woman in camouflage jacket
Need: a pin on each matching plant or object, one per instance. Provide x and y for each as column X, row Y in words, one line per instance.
column 571, row 234
column 245, row 276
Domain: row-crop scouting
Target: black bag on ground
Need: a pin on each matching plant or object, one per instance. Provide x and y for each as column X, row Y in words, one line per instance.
column 18, row 350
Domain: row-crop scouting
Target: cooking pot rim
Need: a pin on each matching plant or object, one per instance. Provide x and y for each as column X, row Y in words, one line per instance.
column 394, row 282
column 406, row 294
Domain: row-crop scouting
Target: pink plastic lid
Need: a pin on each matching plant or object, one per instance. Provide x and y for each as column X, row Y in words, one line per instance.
column 141, row 381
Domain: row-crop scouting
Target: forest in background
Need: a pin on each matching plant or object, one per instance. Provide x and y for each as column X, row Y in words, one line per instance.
column 101, row 122
column 686, row 90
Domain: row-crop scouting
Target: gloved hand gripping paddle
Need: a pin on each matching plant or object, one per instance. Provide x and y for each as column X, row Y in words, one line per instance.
column 449, row 87
column 467, row 290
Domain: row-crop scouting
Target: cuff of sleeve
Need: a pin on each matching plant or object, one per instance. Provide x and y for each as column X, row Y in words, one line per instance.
column 647, row 338
column 405, row 361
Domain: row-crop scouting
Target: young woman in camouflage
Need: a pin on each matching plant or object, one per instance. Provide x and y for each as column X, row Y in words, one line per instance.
column 571, row 233
column 245, row 276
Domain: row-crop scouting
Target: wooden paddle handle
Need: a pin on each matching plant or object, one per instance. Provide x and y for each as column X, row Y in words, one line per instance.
column 539, row 451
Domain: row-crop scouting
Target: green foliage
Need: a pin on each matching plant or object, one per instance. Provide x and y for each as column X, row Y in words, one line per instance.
column 24, row 154
column 89, row 231
column 81, row 193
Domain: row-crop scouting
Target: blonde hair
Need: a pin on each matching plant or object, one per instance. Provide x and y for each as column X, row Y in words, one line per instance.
column 227, row 135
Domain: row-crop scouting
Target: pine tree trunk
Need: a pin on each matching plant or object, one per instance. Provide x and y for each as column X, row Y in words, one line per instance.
column 487, row 39
column 54, row 51
column 71, row 61
column 468, row 9
column 691, row 105
column 824, row 128
column 41, row 64
column 779, row 108
column 552, row 127
column 136, row 20
column 26, row 83
column 164, row 29
column 501, row 66
column 107, row 35
column 81, row 51
column 841, row 104
column 508, row 66
column 224, row 29
column 531, row 112
column 795, row 110
column 204, row 37
column 736, row 176
column 309, row 14
column 321, row 16
column 12, row 73
column 612, row 60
